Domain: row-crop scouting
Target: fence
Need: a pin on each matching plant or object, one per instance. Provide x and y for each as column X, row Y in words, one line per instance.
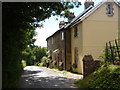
column 112, row 51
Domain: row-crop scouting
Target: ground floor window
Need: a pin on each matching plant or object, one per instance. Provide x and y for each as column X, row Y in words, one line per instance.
column 75, row 55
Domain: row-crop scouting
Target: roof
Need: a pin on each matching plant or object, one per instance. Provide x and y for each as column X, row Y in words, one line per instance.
column 80, row 15
column 85, row 14
column 72, row 21
column 55, row 33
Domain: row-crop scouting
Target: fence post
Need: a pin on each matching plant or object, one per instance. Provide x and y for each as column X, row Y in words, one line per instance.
column 106, row 53
column 117, row 48
column 112, row 56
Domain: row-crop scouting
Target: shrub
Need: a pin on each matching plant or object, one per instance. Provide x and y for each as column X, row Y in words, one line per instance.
column 54, row 63
column 61, row 64
column 104, row 77
column 43, row 61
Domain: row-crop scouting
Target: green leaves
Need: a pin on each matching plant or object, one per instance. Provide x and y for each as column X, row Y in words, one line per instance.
column 104, row 77
column 19, row 20
column 33, row 54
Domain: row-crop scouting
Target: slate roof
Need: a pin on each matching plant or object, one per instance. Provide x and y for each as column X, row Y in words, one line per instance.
column 86, row 13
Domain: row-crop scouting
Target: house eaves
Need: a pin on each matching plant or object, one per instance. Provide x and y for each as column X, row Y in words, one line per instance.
column 117, row 3
column 55, row 33
column 84, row 15
column 89, row 12
column 80, row 15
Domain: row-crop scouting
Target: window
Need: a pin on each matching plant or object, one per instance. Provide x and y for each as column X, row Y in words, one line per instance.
column 76, row 55
column 109, row 9
column 62, row 35
column 76, row 31
column 52, row 40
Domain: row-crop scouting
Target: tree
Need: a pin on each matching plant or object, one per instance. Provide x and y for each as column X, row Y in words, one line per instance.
column 19, row 21
column 34, row 54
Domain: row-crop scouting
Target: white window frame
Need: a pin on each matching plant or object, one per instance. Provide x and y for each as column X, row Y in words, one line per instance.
column 62, row 35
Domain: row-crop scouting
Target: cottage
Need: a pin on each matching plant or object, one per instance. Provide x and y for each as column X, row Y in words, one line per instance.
column 59, row 45
column 92, row 29
column 55, row 45
column 88, row 33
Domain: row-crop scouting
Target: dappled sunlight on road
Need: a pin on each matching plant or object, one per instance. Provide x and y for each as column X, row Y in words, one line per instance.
column 41, row 77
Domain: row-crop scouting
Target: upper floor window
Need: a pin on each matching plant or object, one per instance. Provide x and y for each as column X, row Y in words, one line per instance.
column 109, row 9
column 52, row 40
column 62, row 35
column 75, row 31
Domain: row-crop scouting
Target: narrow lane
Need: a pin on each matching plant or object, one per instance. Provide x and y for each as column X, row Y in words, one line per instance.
column 42, row 77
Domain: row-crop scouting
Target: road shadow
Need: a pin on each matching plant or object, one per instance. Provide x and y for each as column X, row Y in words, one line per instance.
column 36, row 81
column 26, row 72
column 42, row 79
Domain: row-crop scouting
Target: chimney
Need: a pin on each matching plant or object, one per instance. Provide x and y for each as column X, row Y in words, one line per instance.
column 61, row 24
column 88, row 3
column 71, row 16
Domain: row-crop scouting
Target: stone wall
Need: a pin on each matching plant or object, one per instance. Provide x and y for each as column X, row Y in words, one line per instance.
column 89, row 65
column 57, row 44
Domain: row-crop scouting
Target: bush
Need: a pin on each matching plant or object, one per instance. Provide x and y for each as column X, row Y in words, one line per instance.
column 61, row 64
column 36, row 64
column 104, row 77
column 54, row 63
column 43, row 61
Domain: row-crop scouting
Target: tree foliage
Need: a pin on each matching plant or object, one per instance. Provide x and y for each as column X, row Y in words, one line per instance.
column 33, row 54
column 19, row 21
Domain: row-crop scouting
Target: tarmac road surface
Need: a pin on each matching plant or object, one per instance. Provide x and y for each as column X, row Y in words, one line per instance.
column 42, row 77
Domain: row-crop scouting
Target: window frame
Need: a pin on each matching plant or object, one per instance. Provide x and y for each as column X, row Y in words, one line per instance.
column 52, row 40
column 76, row 55
column 62, row 35
column 76, row 31
column 109, row 9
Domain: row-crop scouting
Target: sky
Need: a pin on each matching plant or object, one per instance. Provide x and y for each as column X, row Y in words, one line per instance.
column 51, row 25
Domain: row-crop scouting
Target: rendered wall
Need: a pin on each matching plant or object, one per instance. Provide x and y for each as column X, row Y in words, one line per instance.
column 119, row 23
column 98, row 29
column 94, row 32
column 77, row 42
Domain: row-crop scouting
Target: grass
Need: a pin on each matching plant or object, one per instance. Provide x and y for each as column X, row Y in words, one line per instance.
column 64, row 71
column 54, row 68
column 104, row 77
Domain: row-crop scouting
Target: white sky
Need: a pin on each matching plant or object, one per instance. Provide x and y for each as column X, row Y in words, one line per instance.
column 51, row 25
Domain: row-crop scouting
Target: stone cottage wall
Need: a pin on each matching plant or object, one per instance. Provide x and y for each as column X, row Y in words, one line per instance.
column 57, row 44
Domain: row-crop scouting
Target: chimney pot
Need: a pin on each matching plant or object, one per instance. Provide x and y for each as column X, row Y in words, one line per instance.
column 88, row 3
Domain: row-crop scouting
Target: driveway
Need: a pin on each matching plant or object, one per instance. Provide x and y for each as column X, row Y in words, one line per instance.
column 42, row 77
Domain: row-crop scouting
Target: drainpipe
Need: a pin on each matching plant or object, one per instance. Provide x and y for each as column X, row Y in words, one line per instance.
column 65, row 49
